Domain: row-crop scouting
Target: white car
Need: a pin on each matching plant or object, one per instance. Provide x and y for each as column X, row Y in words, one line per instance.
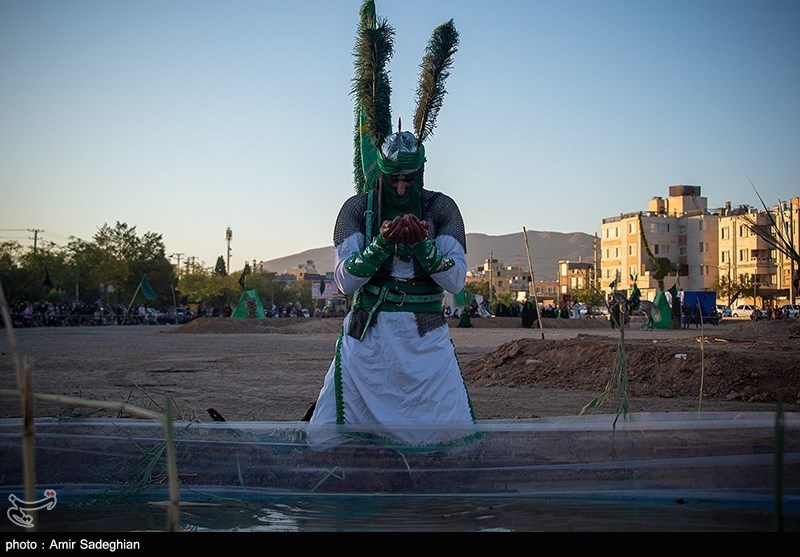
column 723, row 310
column 746, row 310
column 791, row 310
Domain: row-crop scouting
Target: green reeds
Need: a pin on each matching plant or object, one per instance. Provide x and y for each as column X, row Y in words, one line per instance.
column 617, row 384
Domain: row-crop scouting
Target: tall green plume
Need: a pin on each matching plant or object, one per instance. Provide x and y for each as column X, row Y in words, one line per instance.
column 434, row 71
column 372, row 89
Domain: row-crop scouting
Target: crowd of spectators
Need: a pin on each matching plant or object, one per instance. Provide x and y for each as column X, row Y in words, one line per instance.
column 74, row 314
column 47, row 314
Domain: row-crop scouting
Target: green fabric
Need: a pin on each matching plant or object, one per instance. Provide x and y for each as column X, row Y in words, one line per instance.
column 463, row 298
column 431, row 258
column 366, row 263
column 249, row 306
column 395, row 205
column 405, row 161
column 48, row 282
column 369, row 155
column 664, row 309
column 368, row 300
column 243, row 277
column 673, row 291
column 146, row 290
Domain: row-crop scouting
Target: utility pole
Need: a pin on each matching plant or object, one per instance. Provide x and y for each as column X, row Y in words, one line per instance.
column 228, row 238
column 178, row 266
column 35, row 237
column 491, row 278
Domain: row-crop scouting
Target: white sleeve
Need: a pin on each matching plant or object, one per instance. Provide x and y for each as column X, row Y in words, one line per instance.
column 452, row 279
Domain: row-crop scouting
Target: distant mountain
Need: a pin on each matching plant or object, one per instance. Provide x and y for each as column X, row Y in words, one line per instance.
column 547, row 249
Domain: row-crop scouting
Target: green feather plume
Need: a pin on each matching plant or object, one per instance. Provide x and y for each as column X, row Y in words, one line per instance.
column 372, row 90
column 434, row 71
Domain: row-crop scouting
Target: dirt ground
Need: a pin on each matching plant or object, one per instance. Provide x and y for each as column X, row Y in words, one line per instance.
column 272, row 369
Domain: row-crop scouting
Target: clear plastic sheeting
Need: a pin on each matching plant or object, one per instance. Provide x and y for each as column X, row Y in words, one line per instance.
column 739, row 459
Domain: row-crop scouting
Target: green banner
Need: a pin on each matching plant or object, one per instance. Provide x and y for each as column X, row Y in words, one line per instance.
column 463, row 298
column 146, row 290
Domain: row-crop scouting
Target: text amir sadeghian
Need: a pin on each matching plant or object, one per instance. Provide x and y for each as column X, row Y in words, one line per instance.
column 83, row 543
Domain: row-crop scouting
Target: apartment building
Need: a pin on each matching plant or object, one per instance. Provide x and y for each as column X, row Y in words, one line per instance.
column 511, row 278
column 700, row 244
column 573, row 275
column 503, row 278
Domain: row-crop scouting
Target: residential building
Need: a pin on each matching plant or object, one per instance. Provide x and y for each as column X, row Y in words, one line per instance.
column 573, row 275
column 700, row 244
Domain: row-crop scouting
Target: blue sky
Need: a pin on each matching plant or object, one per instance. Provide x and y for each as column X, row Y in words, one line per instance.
column 186, row 117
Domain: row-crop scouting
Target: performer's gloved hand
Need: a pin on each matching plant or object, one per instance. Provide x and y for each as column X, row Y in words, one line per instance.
column 366, row 263
column 415, row 230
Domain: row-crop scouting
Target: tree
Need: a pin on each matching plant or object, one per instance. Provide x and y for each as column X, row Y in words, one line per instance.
column 661, row 265
column 125, row 258
column 588, row 296
column 478, row 288
column 219, row 268
column 726, row 288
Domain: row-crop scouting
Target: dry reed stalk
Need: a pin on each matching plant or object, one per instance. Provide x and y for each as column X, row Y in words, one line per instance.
column 26, row 396
column 702, row 356
column 24, row 376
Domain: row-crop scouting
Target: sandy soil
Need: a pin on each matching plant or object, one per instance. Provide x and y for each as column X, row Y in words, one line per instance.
column 272, row 369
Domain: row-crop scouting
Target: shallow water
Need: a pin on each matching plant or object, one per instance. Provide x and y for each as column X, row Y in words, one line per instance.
column 222, row 512
column 695, row 472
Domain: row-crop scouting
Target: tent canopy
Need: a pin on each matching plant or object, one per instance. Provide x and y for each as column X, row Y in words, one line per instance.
column 249, row 306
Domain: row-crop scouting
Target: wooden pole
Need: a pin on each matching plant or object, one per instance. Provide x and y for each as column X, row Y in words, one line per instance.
column 535, row 298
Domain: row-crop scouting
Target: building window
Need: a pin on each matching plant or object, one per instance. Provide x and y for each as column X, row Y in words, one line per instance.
column 725, row 233
column 682, row 230
column 702, row 225
column 631, row 249
column 742, row 231
column 632, row 271
column 616, row 232
column 616, row 253
column 682, row 250
column 723, row 257
column 631, row 228
column 743, row 255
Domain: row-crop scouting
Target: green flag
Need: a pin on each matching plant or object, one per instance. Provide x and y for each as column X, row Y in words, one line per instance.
column 243, row 278
column 48, row 282
column 146, row 290
column 463, row 298
column 673, row 291
column 369, row 155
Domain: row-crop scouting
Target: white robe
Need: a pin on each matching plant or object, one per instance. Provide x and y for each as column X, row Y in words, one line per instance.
column 397, row 384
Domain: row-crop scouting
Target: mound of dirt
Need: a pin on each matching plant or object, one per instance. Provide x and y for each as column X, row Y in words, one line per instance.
column 223, row 325
column 752, row 362
column 746, row 361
